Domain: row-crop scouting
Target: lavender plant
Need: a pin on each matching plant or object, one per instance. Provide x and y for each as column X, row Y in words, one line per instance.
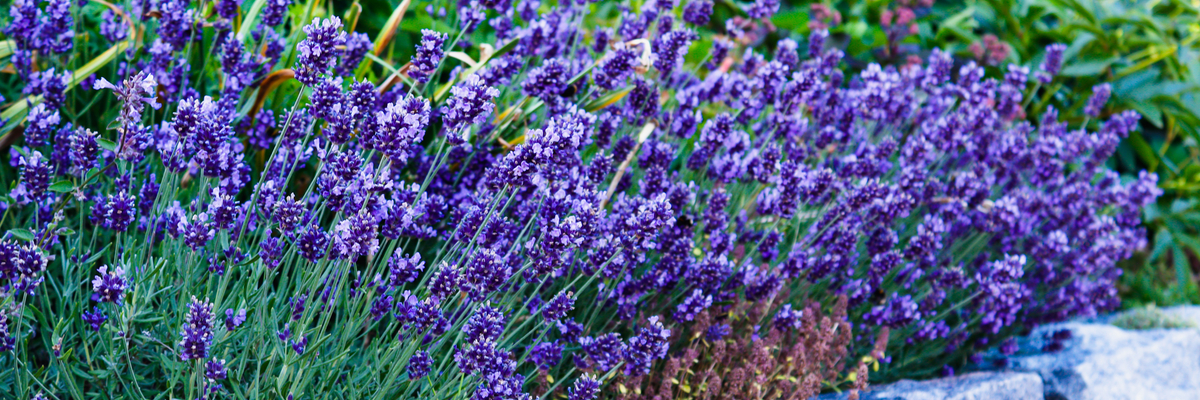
column 549, row 212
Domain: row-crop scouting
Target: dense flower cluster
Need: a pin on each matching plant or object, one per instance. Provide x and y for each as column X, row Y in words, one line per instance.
column 536, row 208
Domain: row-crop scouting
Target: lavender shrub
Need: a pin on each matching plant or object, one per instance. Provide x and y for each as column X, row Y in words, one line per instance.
column 555, row 211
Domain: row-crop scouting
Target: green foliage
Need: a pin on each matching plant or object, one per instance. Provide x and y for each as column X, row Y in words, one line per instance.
column 1150, row 317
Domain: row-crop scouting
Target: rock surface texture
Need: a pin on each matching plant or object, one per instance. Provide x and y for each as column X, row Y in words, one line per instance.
column 972, row 386
column 1101, row 362
column 1088, row 360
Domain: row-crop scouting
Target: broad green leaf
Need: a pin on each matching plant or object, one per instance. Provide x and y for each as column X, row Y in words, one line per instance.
column 107, row 144
column 62, row 187
column 22, row 234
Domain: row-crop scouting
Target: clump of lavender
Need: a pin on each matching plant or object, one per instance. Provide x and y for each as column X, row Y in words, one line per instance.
column 572, row 205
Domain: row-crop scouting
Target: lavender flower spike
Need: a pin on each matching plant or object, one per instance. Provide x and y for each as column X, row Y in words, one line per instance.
column 471, row 104
column 320, row 49
column 428, row 56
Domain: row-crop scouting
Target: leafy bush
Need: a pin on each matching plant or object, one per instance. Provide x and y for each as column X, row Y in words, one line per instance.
column 252, row 206
column 1148, row 51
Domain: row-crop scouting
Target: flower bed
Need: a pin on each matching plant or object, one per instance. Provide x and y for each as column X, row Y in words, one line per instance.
column 235, row 206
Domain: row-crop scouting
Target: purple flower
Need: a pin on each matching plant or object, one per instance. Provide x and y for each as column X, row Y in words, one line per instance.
column 469, row 18
column 428, row 55
column 271, row 252
column 470, row 103
column 1095, row 104
column 112, row 28
column 215, row 369
column 40, row 125
column 670, row 49
column 299, row 345
column 587, row 387
column 485, row 273
column 559, row 306
column 109, row 286
column 35, row 175
column 649, row 345
column 197, row 331
column 403, row 269
column 762, row 9
column 274, row 11
column 357, row 46
column 1052, row 63
column 312, row 243
column 419, row 365
column 613, row 69
column 83, row 150
column 900, row 310
column 604, row 352
column 546, row 81
column 787, row 319
column 692, row 305
column 717, row 332
column 697, row 12
column 50, row 85
column 7, row 342
column 485, row 325
column 546, row 355
column 501, row 70
column 356, row 236
column 401, row 125
column 445, row 282
column 319, row 50
column 132, row 94
column 197, row 231
column 234, row 320
column 95, row 319
column 114, row 212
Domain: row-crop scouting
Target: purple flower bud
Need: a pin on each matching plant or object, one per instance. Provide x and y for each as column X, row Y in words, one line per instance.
column 1095, row 104
column 1052, row 63
column 419, row 365
column 197, row 331
column 95, row 319
column 320, row 49
column 470, row 103
column 587, row 387
column 234, row 320
column 559, row 306
column 215, row 369
column 429, row 54
column 697, row 12
column 274, row 11
column 109, row 286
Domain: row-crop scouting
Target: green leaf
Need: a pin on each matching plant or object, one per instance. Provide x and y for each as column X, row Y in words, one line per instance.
column 97, row 255
column 795, row 19
column 1088, row 68
column 1183, row 274
column 62, row 187
column 1142, row 148
column 1150, row 111
column 248, row 19
column 22, row 234
column 107, row 144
